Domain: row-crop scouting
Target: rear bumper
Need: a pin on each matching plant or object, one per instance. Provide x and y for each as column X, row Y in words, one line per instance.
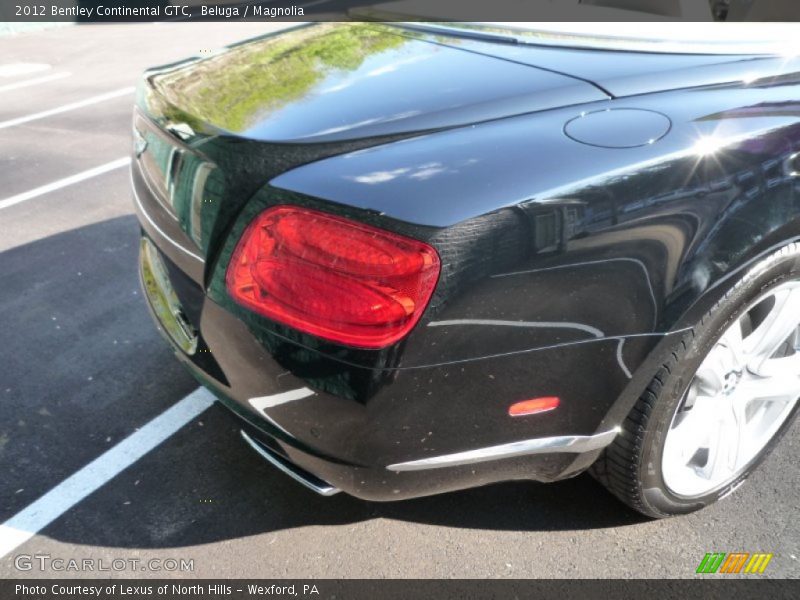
column 374, row 450
column 572, row 444
column 273, row 431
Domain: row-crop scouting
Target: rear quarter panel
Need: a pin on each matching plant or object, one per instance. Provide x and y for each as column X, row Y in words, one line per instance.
column 577, row 243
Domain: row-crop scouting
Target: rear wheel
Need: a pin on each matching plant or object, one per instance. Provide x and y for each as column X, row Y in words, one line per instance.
column 720, row 403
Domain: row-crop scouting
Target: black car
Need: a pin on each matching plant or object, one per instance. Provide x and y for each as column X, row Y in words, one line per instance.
column 418, row 258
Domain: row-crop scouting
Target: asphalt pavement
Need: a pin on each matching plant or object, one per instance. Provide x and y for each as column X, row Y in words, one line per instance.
column 82, row 368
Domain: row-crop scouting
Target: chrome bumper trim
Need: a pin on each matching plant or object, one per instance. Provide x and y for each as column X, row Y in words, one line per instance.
column 308, row 480
column 576, row 444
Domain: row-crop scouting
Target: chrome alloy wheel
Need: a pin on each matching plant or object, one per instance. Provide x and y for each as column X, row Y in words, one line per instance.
column 741, row 394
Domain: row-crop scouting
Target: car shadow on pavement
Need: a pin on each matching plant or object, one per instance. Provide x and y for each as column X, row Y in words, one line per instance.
column 81, row 364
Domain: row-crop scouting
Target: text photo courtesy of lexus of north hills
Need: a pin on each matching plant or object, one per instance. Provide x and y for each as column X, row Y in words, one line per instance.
column 355, row 299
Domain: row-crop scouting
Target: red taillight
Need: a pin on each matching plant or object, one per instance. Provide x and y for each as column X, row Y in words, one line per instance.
column 331, row 277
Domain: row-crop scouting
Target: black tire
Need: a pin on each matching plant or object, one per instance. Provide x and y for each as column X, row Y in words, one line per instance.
column 631, row 466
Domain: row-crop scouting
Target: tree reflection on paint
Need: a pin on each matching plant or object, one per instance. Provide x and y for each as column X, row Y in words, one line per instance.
column 234, row 89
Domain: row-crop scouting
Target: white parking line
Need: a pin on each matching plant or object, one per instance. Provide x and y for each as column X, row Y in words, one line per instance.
column 67, row 107
column 28, row 522
column 17, row 69
column 61, row 183
column 35, row 81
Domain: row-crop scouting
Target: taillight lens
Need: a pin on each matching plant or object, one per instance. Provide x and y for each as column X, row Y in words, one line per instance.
column 334, row 278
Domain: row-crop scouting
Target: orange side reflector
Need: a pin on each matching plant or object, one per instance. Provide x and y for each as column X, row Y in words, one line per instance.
column 533, row 406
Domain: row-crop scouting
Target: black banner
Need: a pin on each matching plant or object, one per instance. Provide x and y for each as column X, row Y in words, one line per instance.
column 111, row 11
column 368, row 589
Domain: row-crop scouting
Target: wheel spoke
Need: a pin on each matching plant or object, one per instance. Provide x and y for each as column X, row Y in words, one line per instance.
column 785, row 369
column 688, row 433
column 710, row 376
column 783, row 386
column 776, row 328
column 733, row 342
column 762, row 404
column 723, row 451
column 736, row 420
